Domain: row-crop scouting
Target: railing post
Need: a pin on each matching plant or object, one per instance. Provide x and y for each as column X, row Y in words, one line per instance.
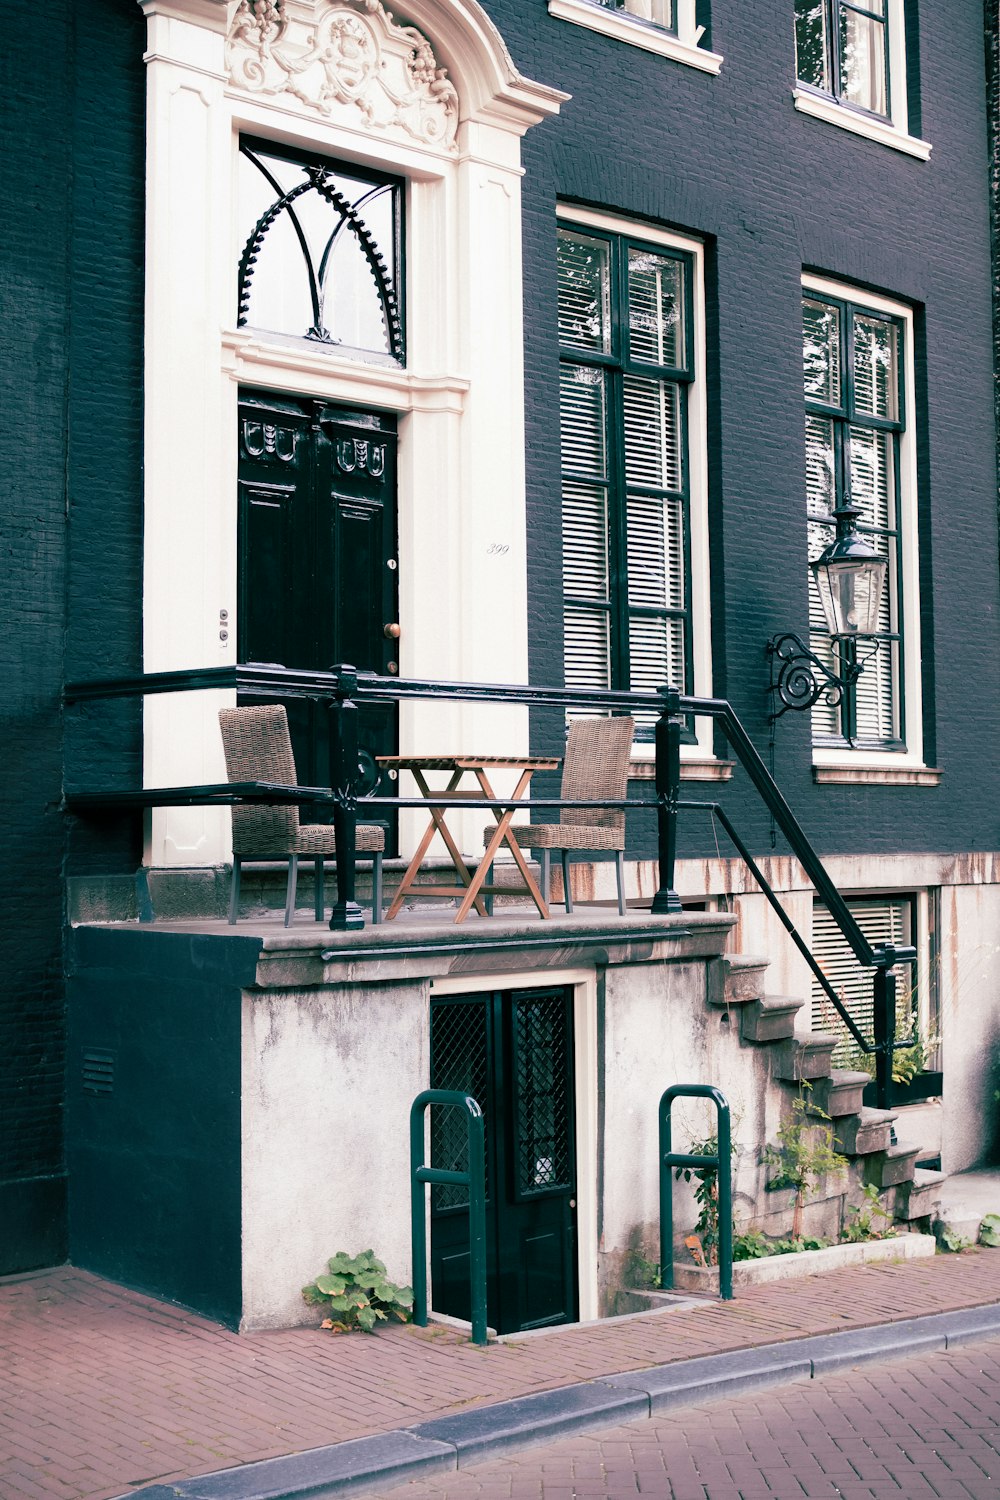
column 346, row 914
column 668, row 782
column 884, row 1024
column 474, row 1179
column 721, row 1163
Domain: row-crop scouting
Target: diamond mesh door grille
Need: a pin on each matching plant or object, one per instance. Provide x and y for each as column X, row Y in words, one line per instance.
column 459, row 1060
column 542, row 1114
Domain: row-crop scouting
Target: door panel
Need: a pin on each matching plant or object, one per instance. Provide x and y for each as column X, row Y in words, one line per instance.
column 317, row 558
column 513, row 1052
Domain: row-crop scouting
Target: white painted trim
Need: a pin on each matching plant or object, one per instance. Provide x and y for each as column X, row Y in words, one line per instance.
column 822, row 107
column 460, row 400
column 682, row 47
column 909, row 580
column 586, row 1093
column 701, row 618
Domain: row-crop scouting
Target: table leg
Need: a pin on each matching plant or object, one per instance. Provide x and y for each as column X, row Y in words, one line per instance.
column 437, row 824
column 498, row 839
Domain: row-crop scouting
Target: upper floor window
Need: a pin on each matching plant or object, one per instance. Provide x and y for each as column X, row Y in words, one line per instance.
column 843, row 49
column 669, row 27
column 657, row 12
column 322, row 251
column 851, row 67
column 632, row 438
column 857, row 363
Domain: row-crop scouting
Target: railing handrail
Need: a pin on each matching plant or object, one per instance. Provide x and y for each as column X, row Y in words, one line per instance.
column 344, row 684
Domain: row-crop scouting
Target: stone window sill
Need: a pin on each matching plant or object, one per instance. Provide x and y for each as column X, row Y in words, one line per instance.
column 876, row 775
column 631, row 29
column 691, row 770
column 845, row 118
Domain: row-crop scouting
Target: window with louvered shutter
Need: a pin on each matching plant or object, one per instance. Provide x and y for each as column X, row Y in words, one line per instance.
column 882, row 919
column 625, row 334
column 852, row 362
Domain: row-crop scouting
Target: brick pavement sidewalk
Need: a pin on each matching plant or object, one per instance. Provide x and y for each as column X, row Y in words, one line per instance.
column 102, row 1389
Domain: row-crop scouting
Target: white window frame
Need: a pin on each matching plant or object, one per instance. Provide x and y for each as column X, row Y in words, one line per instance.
column 697, row 457
column 682, row 46
column 909, row 554
column 893, row 132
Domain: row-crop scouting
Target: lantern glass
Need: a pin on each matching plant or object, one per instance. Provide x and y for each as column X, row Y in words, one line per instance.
column 850, row 591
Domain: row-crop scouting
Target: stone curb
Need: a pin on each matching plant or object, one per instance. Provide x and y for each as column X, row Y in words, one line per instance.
column 449, row 1443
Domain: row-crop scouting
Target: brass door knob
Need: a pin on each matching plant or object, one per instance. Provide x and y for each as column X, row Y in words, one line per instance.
column 391, row 632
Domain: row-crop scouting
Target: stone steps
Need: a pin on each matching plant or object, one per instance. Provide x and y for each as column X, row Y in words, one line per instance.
column 770, row 1018
column 891, row 1167
column 865, row 1135
column 862, row 1133
column 802, row 1059
column 736, row 979
column 840, row 1094
column 921, row 1198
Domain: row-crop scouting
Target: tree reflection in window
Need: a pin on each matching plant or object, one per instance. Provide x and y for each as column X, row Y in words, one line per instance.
column 322, row 254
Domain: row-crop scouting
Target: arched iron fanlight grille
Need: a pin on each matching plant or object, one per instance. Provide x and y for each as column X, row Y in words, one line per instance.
column 320, row 179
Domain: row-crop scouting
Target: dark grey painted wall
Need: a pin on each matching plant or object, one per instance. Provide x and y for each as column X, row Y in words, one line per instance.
column 71, row 144
column 154, row 1161
column 773, row 192
column 726, row 158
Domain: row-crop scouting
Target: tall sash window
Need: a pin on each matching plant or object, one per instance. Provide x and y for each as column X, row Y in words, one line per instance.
column 855, row 429
column 627, row 369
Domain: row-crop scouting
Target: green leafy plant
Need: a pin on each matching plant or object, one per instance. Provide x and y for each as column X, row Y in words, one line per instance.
column 951, row 1240
column 804, row 1152
column 862, row 1225
column 989, row 1231
column 642, row 1272
column 706, row 1194
column 356, row 1294
column 907, row 1062
column 753, row 1245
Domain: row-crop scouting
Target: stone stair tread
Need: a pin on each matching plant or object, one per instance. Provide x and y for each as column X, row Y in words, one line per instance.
column 844, row 1078
column 894, row 1153
column 927, row 1177
column 780, row 1002
column 871, row 1116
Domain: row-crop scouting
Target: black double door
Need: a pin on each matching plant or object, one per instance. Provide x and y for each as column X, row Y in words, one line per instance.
column 317, row 557
column 513, row 1052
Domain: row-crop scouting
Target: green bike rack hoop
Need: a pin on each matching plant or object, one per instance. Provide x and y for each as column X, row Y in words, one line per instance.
column 474, row 1179
column 723, row 1165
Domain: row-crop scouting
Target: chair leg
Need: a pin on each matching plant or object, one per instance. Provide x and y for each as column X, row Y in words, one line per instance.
column 376, row 890
column 567, row 893
column 234, row 891
column 620, row 872
column 546, row 874
column 293, row 878
column 319, row 893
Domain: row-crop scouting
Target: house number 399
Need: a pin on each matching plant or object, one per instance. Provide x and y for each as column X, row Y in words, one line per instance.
column 497, row 549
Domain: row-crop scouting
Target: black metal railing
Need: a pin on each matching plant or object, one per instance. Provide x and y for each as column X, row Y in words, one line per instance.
column 343, row 688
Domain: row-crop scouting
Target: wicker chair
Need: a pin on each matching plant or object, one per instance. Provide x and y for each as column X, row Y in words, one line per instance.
column 595, row 769
column 258, row 747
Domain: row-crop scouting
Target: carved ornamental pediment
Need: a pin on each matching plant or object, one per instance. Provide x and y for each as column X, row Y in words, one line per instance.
column 347, row 59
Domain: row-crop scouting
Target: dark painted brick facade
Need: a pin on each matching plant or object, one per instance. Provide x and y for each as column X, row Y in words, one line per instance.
column 70, row 386
column 726, row 158
column 774, row 192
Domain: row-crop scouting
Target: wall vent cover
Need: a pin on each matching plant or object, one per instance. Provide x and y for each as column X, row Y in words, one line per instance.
column 98, row 1071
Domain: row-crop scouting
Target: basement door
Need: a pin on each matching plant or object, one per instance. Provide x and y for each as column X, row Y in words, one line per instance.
column 513, row 1052
column 317, row 558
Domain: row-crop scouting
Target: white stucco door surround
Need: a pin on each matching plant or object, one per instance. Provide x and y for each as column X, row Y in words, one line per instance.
column 432, row 96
